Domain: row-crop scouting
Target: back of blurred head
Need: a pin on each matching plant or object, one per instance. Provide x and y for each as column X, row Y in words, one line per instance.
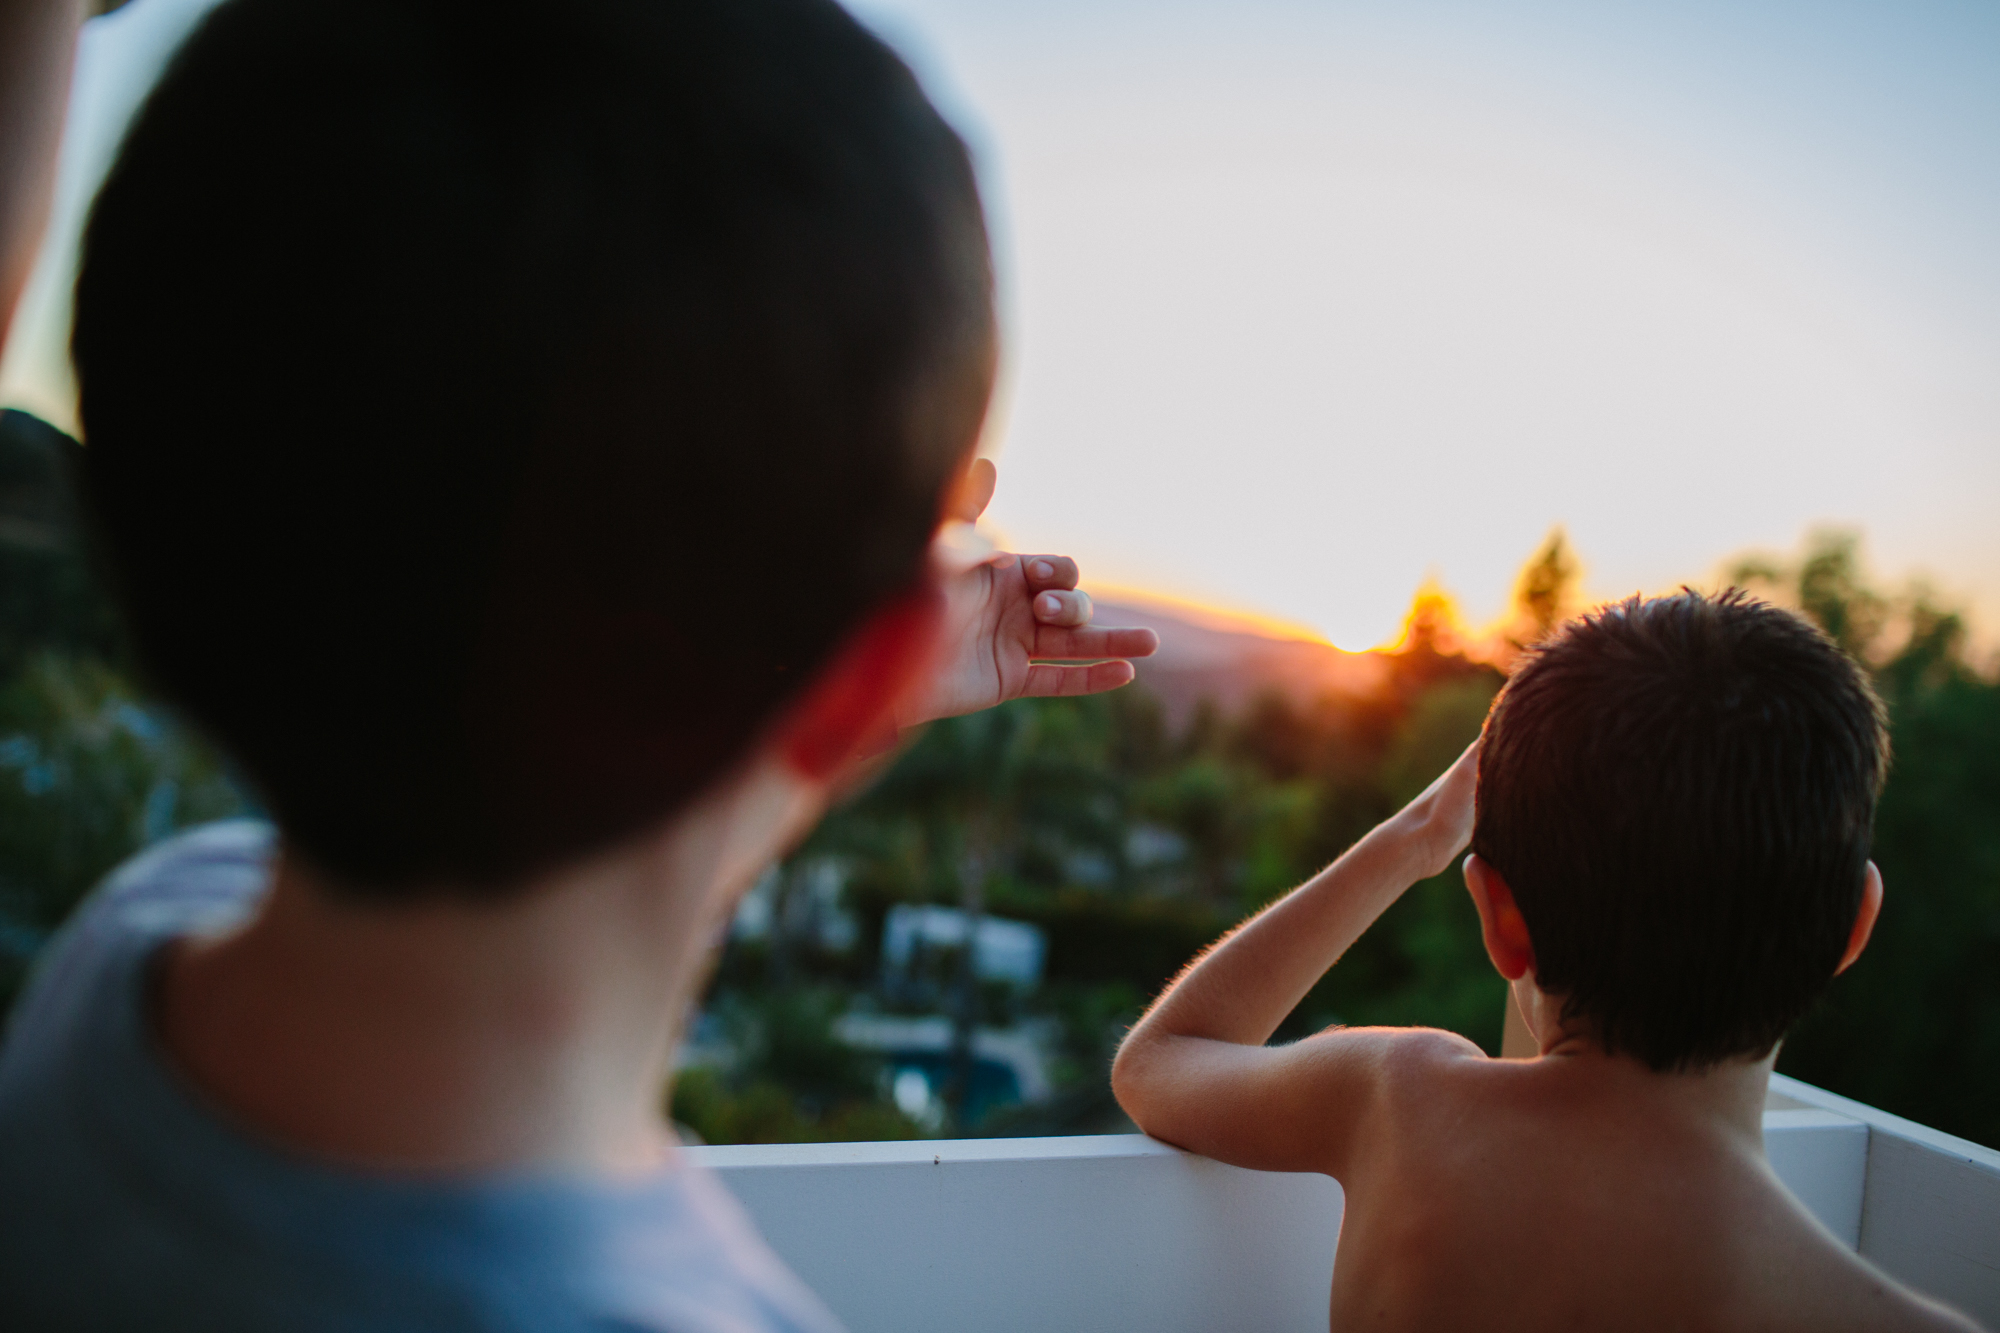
column 1680, row 792
column 496, row 412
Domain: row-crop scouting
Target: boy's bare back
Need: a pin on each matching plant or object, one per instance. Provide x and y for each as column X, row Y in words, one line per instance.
column 1674, row 802
column 1583, row 1191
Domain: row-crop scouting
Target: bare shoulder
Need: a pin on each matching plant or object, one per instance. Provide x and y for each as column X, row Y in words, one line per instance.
column 1429, row 1050
column 1920, row 1314
column 1403, row 1076
column 1417, row 1048
column 1832, row 1287
column 1893, row 1308
column 1394, row 1062
column 1945, row 1320
column 1414, row 1062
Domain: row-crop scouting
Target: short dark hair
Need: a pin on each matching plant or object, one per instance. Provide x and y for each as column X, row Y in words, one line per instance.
column 494, row 412
column 1681, row 793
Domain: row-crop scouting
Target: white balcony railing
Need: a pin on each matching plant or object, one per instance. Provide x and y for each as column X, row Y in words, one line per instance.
column 1119, row 1232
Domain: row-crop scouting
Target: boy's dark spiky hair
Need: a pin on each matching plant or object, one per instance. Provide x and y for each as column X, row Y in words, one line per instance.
column 1680, row 791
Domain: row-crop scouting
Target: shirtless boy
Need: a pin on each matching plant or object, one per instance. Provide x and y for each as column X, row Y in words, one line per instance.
column 1670, row 862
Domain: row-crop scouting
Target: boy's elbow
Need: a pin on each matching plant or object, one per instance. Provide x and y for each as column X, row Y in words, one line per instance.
column 1129, row 1075
column 1122, row 1073
column 1151, row 1089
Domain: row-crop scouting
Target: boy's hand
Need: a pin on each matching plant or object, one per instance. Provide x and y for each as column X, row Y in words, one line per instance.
column 1438, row 824
column 1011, row 623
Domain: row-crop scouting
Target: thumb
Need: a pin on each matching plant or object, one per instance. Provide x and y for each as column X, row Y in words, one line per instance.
column 974, row 491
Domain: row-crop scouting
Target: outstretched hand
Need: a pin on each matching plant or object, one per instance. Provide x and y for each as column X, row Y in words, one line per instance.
column 1017, row 626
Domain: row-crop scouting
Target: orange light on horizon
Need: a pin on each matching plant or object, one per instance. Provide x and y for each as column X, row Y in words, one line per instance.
column 1433, row 612
column 1433, row 619
column 1209, row 615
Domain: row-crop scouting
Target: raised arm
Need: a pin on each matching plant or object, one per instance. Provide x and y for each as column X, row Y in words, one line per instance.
column 37, row 48
column 1195, row 1071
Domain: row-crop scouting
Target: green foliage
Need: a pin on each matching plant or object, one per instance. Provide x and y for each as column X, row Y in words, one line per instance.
column 1832, row 592
column 1058, row 795
column 791, row 1079
column 1547, row 591
column 89, row 770
column 994, row 788
column 49, row 601
column 1138, row 941
column 1914, row 1026
column 88, row 775
column 1423, row 962
column 769, row 1111
column 1262, row 800
column 1440, row 725
column 1132, row 841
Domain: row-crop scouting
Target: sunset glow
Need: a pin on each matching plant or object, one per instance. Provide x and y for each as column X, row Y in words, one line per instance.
column 1207, row 616
column 1309, row 304
column 1434, row 618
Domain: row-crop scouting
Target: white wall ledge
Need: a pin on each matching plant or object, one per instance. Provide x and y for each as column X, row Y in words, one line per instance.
column 1121, row 1232
column 1930, row 1210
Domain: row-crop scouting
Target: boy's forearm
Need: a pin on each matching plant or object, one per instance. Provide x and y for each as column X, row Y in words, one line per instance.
column 1238, row 992
column 1244, row 986
column 37, row 48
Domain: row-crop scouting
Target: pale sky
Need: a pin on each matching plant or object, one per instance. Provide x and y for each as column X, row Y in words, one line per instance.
column 1306, row 302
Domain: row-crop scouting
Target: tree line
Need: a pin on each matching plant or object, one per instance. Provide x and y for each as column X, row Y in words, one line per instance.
column 1131, row 839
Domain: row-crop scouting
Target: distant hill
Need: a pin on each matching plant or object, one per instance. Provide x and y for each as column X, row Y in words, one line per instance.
column 1210, row 654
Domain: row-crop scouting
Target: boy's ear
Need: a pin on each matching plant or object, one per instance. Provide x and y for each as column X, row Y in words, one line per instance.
column 848, row 712
column 1864, row 919
column 1500, row 922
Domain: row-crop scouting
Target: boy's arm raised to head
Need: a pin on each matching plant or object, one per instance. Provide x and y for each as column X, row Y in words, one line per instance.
column 1194, row 1070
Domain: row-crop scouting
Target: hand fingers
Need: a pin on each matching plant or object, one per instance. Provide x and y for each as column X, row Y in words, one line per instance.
column 1064, row 608
column 1049, row 571
column 1046, row 681
column 1447, row 808
column 1462, row 780
column 1464, row 771
column 1083, row 645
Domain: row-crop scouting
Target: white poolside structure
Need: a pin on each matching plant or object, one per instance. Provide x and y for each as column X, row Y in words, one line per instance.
column 1118, row 1232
